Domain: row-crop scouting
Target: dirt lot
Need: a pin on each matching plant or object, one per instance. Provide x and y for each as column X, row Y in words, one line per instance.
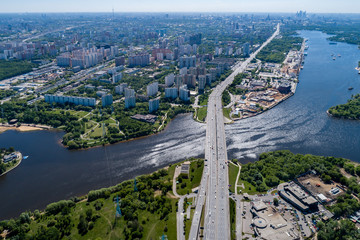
column 311, row 181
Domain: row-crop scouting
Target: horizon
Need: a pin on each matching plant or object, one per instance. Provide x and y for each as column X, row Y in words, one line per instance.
column 186, row 6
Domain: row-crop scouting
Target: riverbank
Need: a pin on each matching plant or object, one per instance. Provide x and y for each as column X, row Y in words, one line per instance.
column 163, row 128
column 23, row 127
column 18, row 161
column 264, row 85
column 108, row 211
column 349, row 110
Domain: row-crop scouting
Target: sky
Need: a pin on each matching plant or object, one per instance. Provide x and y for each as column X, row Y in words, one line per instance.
column 314, row 6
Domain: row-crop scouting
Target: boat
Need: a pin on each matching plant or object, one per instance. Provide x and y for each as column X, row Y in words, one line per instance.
column 25, row 157
column 305, row 53
column 334, row 58
column 350, row 88
column 339, row 55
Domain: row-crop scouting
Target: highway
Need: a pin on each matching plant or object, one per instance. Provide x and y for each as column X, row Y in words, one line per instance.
column 213, row 191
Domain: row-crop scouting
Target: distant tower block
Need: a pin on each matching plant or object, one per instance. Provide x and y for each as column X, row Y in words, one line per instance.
column 135, row 188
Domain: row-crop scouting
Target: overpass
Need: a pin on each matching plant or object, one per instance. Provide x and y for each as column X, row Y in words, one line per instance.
column 213, row 195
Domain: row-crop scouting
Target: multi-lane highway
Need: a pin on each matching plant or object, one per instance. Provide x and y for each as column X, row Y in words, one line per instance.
column 213, row 196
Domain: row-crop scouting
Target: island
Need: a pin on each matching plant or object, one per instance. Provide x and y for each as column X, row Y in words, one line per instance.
column 349, row 110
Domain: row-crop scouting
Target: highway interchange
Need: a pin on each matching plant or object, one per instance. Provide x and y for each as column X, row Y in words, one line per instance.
column 213, row 191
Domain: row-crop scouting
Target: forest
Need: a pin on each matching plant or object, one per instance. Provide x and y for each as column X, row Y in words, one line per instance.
column 349, row 110
column 10, row 69
column 276, row 50
column 146, row 211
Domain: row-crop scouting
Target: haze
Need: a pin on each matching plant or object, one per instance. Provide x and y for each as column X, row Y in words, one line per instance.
column 320, row 6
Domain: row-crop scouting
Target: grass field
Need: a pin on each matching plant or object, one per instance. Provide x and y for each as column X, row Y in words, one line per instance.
column 98, row 132
column 201, row 113
column 250, row 189
column 226, row 112
column 233, row 171
column 186, row 185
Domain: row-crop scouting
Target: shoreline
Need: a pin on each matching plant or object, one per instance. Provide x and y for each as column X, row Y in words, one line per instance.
column 124, row 141
column 9, row 170
column 23, row 127
column 342, row 118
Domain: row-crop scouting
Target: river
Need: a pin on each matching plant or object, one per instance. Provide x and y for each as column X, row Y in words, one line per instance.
column 300, row 124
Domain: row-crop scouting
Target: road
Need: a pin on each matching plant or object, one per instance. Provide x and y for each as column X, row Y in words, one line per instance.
column 214, row 183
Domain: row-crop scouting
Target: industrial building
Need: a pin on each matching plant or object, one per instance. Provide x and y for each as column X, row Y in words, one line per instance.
column 296, row 196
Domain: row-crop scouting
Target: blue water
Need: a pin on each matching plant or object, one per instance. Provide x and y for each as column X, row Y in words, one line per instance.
column 300, row 124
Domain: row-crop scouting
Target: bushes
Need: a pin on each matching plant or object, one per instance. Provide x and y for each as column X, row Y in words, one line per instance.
column 96, row 194
column 55, row 208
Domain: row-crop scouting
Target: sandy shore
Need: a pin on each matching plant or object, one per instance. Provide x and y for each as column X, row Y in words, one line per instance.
column 21, row 128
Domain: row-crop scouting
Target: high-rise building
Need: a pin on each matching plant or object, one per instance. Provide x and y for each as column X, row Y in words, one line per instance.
column 171, row 93
column 190, row 80
column 130, row 102
column 202, row 82
column 107, row 100
column 183, row 71
column 246, row 49
column 120, row 61
column 139, row 60
column 63, row 60
column 184, row 94
column 116, row 77
column 179, row 81
column 120, row 89
column 152, row 89
column 129, row 92
column 129, row 98
column 84, row 101
column 154, row 105
column 187, row 61
column 169, row 80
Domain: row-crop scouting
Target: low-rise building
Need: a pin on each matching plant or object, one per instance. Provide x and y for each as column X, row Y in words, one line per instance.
column 296, row 196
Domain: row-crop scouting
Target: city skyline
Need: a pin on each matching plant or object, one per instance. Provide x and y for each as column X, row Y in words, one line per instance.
column 322, row 6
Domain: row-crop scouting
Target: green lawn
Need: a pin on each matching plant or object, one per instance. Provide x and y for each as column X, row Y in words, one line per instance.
column 185, row 185
column 233, row 171
column 226, row 112
column 201, row 113
column 98, row 132
column 250, row 189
